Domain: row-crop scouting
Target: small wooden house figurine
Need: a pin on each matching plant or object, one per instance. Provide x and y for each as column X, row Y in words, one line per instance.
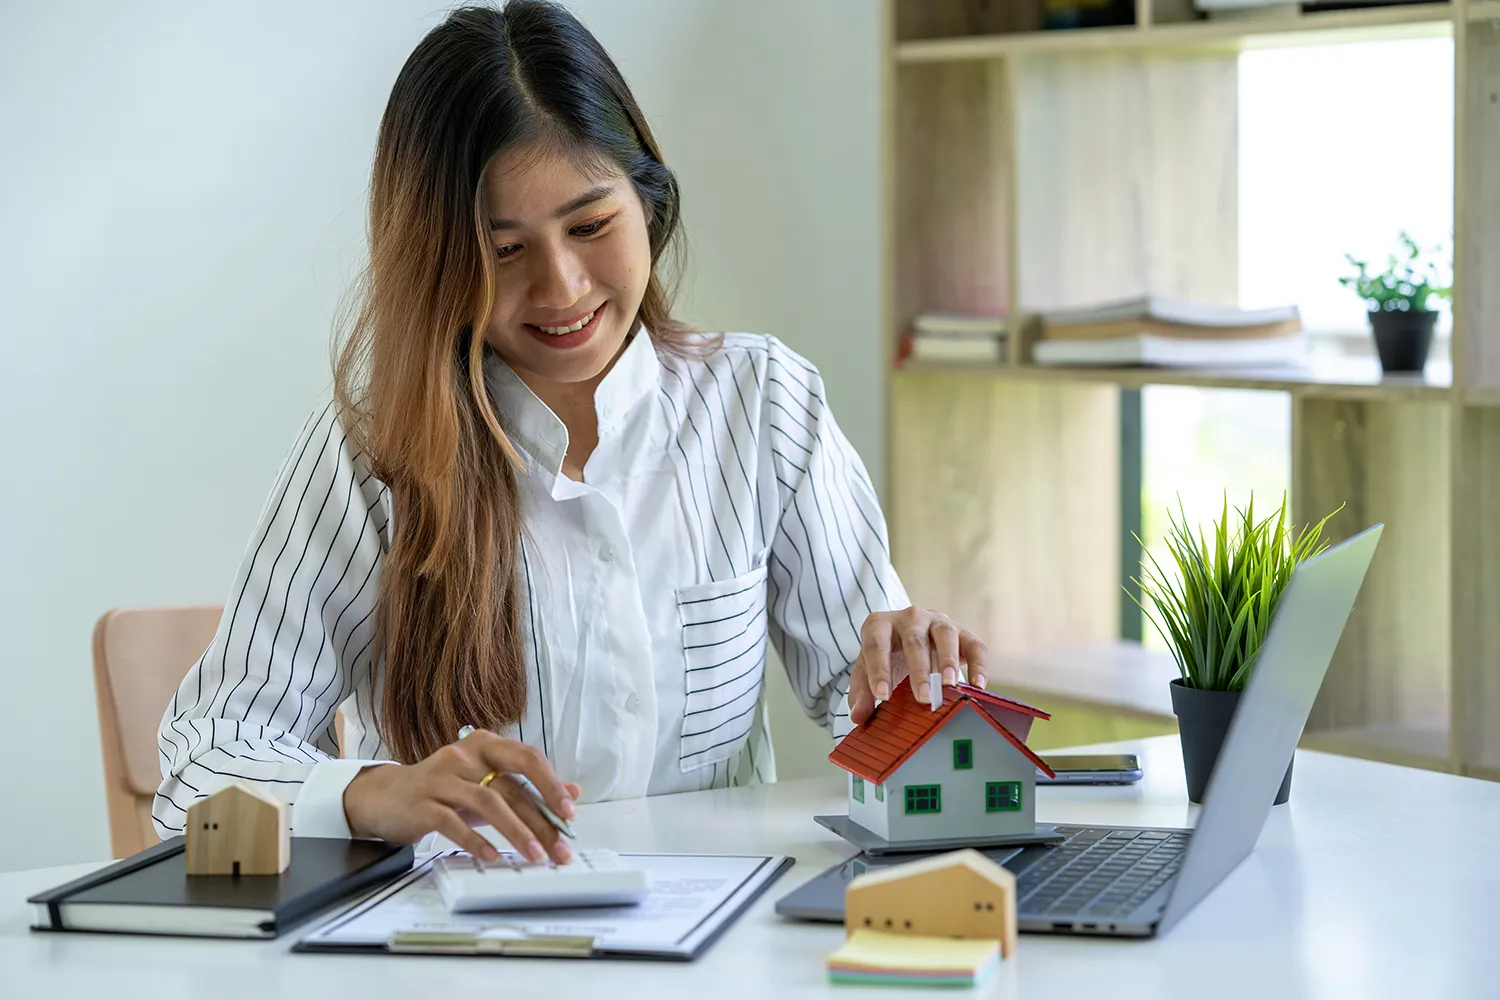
column 959, row 894
column 238, row 831
column 963, row 770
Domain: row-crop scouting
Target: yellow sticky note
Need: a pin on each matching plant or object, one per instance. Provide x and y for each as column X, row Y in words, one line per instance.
column 872, row 954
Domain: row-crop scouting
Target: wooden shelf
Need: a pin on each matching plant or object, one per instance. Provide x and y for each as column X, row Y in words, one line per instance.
column 1356, row 380
column 1103, row 172
column 1121, row 678
column 1426, row 746
column 1329, row 27
column 1484, row 10
column 1126, row 679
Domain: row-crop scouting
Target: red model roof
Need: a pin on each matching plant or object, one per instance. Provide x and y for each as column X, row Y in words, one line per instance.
column 901, row 725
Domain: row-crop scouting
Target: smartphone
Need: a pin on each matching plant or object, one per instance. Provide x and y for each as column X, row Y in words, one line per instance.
column 1091, row 769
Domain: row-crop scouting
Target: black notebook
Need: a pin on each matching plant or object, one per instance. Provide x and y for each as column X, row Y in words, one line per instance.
column 150, row 893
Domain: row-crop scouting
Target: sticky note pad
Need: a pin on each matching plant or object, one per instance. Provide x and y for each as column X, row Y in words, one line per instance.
column 871, row 956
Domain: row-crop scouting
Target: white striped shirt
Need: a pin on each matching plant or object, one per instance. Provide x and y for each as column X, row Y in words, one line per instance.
column 721, row 506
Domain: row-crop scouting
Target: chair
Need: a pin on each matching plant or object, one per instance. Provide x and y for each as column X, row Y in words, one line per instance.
column 140, row 656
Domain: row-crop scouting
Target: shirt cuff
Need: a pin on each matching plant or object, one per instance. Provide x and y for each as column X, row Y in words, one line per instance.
column 319, row 807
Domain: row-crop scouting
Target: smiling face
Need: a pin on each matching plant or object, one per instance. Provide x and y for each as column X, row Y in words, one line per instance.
column 572, row 259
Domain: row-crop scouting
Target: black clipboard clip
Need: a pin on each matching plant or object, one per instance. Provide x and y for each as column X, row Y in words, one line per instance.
column 498, row 939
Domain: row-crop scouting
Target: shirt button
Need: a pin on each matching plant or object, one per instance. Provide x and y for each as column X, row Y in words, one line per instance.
column 633, row 703
column 607, row 553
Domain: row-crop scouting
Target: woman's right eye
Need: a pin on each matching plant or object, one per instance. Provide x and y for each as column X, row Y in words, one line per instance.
column 508, row 250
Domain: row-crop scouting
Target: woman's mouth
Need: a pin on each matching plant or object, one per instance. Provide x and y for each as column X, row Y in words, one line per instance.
column 575, row 332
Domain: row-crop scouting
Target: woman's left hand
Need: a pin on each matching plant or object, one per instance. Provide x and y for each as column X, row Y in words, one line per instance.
column 911, row 643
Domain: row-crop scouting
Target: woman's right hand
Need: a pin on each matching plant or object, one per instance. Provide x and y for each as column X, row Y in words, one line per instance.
column 402, row 803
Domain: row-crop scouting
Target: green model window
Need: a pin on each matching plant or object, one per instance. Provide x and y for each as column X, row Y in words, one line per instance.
column 879, row 793
column 859, row 789
column 924, row 799
column 1002, row 796
column 963, row 755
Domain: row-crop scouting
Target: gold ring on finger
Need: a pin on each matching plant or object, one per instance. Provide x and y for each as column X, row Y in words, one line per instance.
column 485, row 781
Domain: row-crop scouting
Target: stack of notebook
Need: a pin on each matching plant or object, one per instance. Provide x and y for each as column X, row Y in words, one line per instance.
column 1167, row 333
column 871, row 956
column 957, row 338
column 151, row 892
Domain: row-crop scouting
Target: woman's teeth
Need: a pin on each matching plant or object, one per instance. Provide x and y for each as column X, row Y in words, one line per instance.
column 558, row 331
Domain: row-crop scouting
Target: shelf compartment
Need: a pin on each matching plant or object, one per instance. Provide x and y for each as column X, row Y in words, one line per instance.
column 1416, row 744
column 1318, row 28
column 953, row 190
column 1385, row 462
column 988, row 525
column 1484, row 10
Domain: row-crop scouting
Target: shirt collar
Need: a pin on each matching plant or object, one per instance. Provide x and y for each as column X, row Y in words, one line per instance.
column 538, row 432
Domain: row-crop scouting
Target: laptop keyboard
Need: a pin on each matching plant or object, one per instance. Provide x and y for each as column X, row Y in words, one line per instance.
column 1100, row 872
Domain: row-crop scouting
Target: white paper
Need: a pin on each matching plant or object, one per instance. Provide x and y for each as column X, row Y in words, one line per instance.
column 691, row 896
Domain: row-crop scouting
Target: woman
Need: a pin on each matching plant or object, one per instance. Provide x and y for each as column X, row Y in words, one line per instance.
column 538, row 504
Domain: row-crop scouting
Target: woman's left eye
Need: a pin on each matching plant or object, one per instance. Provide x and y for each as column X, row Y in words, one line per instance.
column 591, row 228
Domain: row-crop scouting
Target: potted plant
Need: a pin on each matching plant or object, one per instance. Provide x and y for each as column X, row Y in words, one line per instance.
column 1214, row 613
column 1399, row 299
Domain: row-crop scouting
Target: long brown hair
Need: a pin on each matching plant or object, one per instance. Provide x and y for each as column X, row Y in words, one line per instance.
column 409, row 377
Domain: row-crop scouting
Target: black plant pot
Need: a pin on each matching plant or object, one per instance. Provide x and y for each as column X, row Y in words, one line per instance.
column 1203, row 718
column 1403, row 338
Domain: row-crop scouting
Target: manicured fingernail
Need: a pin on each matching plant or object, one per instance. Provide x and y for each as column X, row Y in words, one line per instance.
column 950, row 676
column 979, row 681
column 488, row 853
column 924, row 692
column 535, row 852
column 563, row 853
column 883, row 691
column 567, row 809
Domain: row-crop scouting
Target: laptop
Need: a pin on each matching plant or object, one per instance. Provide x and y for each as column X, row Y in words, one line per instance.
column 1139, row 882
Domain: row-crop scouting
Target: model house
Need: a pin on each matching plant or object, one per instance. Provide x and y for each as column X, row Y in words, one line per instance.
column 961, row 894
column 962, row 770
column 236, row 831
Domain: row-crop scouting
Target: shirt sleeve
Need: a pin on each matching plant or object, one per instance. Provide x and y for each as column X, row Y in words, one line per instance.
column 295, row 639
column 830, row 560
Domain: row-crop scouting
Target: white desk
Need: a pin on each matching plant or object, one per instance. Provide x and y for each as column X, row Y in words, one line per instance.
column 1375, row 881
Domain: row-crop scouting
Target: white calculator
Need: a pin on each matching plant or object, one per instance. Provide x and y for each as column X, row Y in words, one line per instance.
column 593, row 878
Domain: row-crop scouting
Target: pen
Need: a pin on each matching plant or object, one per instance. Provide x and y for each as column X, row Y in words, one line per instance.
column 533, row 795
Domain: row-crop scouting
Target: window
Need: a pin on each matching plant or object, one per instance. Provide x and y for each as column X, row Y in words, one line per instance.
column 1299, row 98
column 879, row 793
column 1201, row 446
column 963, row 755
column 1002, row 796
column 859, row 788
column 924, row 799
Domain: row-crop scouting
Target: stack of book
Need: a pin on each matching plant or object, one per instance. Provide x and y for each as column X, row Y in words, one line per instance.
column 871, row 956
column 1267, row 9
column 956, row 338
column 1166, row 333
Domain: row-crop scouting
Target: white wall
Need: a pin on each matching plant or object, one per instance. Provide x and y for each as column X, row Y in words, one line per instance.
column 181, row 200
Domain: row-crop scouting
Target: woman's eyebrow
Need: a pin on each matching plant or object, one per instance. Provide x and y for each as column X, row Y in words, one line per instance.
column 587, row 198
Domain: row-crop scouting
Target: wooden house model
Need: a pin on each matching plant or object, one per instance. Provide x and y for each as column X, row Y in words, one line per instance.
column 959, row 894
column 238, row 831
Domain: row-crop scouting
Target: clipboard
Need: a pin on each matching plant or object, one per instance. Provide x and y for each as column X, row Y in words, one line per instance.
column 661, row 929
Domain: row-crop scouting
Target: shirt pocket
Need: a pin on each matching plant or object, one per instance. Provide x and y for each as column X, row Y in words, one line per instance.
column 724, row 632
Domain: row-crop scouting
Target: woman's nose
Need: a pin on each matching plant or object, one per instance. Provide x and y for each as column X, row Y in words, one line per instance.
column 561, row 281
